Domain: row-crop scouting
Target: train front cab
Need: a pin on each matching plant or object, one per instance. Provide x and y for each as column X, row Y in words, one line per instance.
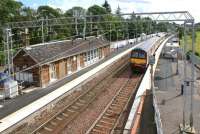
column 138, row 60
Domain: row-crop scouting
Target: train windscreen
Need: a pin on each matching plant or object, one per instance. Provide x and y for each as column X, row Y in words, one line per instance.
column 138, row 54
column 134, row 54
column 141, row 55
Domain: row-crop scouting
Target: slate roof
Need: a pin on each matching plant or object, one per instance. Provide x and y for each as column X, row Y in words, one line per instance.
column 54, row 51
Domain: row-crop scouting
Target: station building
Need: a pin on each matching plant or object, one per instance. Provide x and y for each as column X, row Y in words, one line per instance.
column 41, row 64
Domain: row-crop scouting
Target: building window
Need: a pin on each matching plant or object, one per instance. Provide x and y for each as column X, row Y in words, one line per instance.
column 100, row 52
column 85, row 57
column 52, row 69
column 69, row 65
column 92, row 54
column 95, row 53
column 74, row 58
column 78, row 62
column 88, row 56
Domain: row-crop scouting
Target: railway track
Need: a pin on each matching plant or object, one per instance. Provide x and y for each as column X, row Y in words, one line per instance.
column 57, row 122
column 110, row 117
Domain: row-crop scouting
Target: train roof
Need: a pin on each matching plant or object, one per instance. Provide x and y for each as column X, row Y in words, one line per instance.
column 147, row 45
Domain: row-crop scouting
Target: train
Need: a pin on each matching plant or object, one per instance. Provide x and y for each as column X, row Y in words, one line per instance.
column 139, row 59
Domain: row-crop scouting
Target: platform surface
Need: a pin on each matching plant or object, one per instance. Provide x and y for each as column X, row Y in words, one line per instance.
column 169, row 98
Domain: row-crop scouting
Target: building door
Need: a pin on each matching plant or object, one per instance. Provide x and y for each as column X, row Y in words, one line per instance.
column 69, row 65
column 100, row 53
column 52, row 72
column 78, row 62
column 83, row 60
column 74, row 63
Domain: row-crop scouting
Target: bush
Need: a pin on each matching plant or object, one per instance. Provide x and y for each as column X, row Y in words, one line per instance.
column 197, row 54
column 2, row 58
column 190, row 53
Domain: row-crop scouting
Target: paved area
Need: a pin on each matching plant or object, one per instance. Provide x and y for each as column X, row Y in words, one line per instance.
column 11, row 105
column 169, row 98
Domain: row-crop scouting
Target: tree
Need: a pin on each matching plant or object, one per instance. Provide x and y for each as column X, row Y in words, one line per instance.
column 162, row 26
column 28, row 14
column 96, row 10
column 70, row 12
column 75, row 12
column 9, row 10
column 107, row 6
column 59, row 11
column 47, row 11
column 180, row 32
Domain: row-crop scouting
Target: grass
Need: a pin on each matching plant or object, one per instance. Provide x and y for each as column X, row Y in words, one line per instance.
column 189, row 41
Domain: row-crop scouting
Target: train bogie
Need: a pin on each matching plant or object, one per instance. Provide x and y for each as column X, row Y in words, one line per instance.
column 136, row 68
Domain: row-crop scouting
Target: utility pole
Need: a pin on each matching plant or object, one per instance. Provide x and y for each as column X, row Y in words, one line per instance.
column 42, row 30
column 192, row 81
column 84, row 28
column 117, row 35
column 75, row 14
column 98, row 31
column 185, row 73
column 91, row 23
column 186, row 128
column 136, row 30
column 8, row 50
column 25, row 37
column 51, row 33
column 110, row 32
column 11, row 54
column 127, row 36
column 149, row 27
column 117, row 41
column 47, row 25
column 8, row 46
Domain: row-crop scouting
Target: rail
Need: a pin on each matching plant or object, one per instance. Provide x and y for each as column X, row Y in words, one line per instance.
column 109, row 118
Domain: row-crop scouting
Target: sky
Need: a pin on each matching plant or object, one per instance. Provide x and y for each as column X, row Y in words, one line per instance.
column 127, row 6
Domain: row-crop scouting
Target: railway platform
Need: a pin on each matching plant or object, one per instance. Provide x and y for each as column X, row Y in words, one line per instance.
column 170, row 100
